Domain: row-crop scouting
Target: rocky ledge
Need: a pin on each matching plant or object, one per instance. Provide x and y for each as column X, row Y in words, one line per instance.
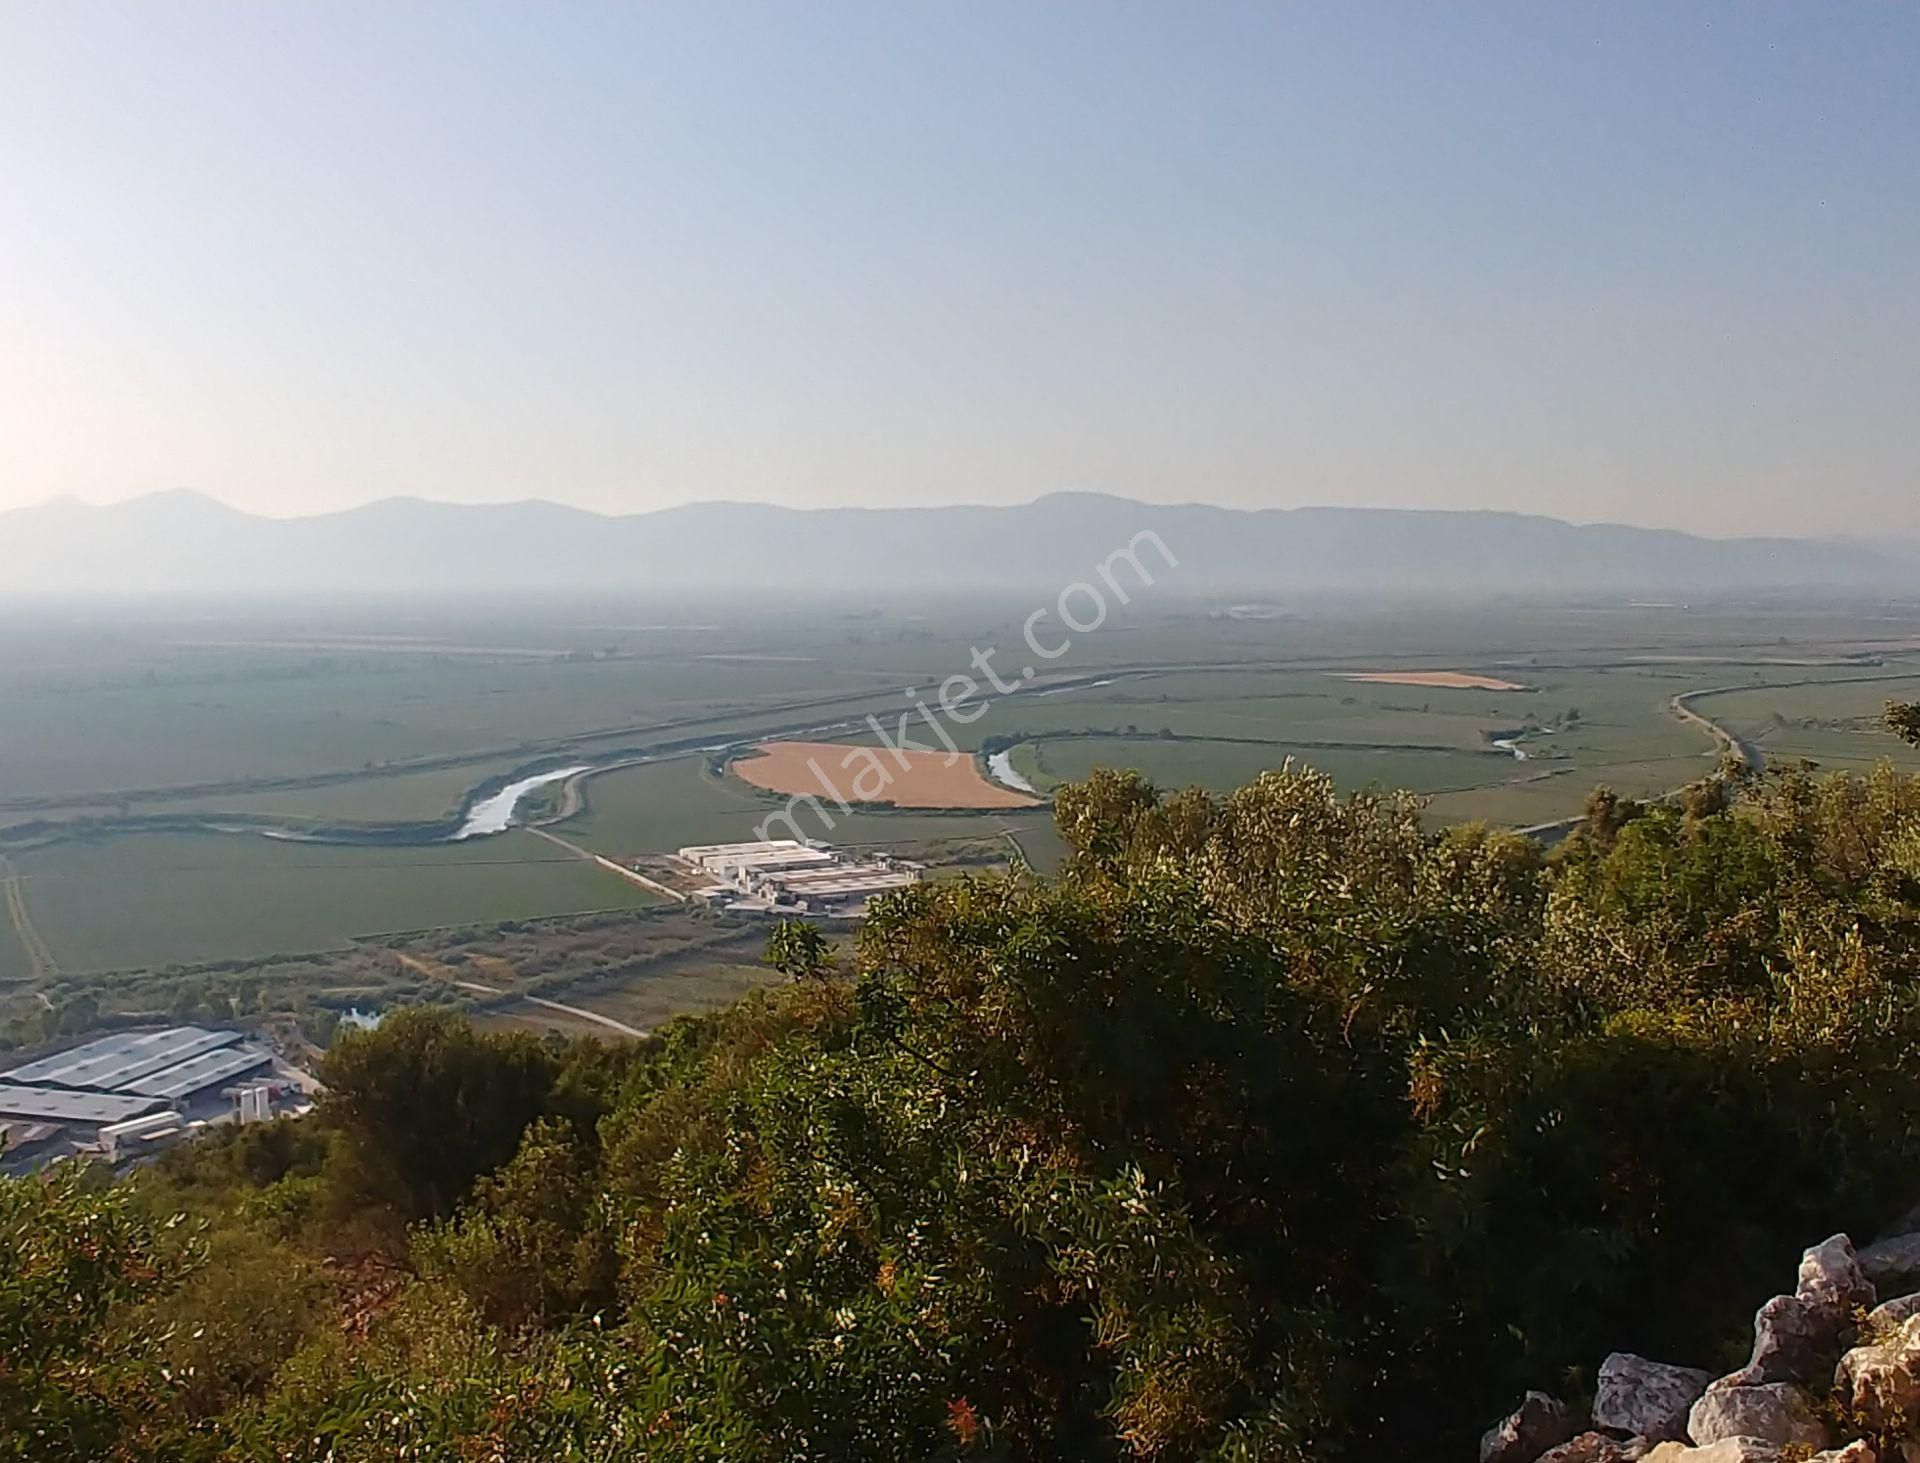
column 1834, row 1375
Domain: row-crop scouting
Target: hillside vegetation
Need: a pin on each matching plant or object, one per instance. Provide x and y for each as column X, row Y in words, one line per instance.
column 1273, row 1127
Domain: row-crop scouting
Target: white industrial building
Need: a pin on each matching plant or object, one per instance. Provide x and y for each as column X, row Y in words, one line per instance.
column 784, row 873
column 122, row 1140
column 732, row 860
column 128, row 1093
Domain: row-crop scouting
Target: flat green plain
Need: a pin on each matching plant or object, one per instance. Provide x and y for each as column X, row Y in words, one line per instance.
column 667, row 805
column 323, row 715
column 13, row 958
column 160, row 899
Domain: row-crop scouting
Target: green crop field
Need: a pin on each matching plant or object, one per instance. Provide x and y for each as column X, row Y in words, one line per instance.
column 1577, row 725
column 1833, row 724
column 411, row 796
column 664, row 805
column 13, row 959
column 1220, row 766
column 667, row 805
column 153, row 900
column 124, row 740
column 676, row 988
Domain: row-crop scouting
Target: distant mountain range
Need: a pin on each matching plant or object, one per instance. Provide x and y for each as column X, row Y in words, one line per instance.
column 182, row 542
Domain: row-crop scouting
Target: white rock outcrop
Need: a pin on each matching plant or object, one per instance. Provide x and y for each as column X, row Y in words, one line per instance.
column 1752, row 1450
column 1728, row 1450
column 1831, row 1275
column 1888, row 1315
column 1773, row 1412
column 1779, row 1405
column 1643, row 1398
column 1792, row 1336
column 1880, row 1383
column 1598, row 1448
column 1854, row 1452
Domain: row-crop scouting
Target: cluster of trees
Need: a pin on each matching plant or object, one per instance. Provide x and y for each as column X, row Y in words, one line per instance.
column 1275, row 1127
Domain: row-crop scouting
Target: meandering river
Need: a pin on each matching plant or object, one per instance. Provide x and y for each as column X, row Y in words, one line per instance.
column 1000, row 766
column 495, row 814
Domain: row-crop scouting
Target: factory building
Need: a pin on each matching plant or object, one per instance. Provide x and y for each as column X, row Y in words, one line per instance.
column 82, row 1109
column 786, row 874
column 123, row 1140
column 124, row 1094
column 734, row 860
column 109, row 1064
column 842, row 885
column 25, row 1146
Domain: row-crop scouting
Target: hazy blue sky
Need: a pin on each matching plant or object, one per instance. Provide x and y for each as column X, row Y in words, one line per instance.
column 1654, row 262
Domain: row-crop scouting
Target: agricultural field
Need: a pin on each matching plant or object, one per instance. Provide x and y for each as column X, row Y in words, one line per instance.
column 667, row 805
column 1835, row 724
column 629, row 967
column 161, row 899
column 436, row 793
column 1220, row 766
column 1218, row 729
column 861, row 774
column 693, row 984
column 1460, row 745
column 141, row 759
column 636, row 970
column 13, row 956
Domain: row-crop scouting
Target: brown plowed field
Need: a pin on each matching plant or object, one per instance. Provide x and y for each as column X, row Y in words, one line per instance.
column 874, row 775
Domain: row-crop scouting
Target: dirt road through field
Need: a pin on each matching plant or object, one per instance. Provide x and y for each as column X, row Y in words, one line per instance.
column 40, row 962
column 630, row 875
column 435, row 971
column 1746, row 751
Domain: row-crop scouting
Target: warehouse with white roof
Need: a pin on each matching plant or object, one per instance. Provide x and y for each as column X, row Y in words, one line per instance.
column 128, row 1086
column 786, row 874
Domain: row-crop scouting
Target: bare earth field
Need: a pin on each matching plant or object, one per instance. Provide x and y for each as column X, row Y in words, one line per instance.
column 1444, row 680
column 875, row 775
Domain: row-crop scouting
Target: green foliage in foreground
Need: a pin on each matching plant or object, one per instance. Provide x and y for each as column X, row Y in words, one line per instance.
column 1274, row 1128
column 1904, row 720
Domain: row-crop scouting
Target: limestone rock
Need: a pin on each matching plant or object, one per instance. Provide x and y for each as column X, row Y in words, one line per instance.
column 1540, row 1422
column 1773, row 1412
column 1855, row 1452
column 1792, row 1336
column 1890, row 1314
column 1646, row 1398
column 1831, row 1275
column 1893, row 1264
column 1729, row 1450
column 1882, row 1382
column 1598, row 1448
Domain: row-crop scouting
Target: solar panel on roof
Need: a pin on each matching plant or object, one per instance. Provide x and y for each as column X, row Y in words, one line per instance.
column 61, row 1105
column 202, row 1071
